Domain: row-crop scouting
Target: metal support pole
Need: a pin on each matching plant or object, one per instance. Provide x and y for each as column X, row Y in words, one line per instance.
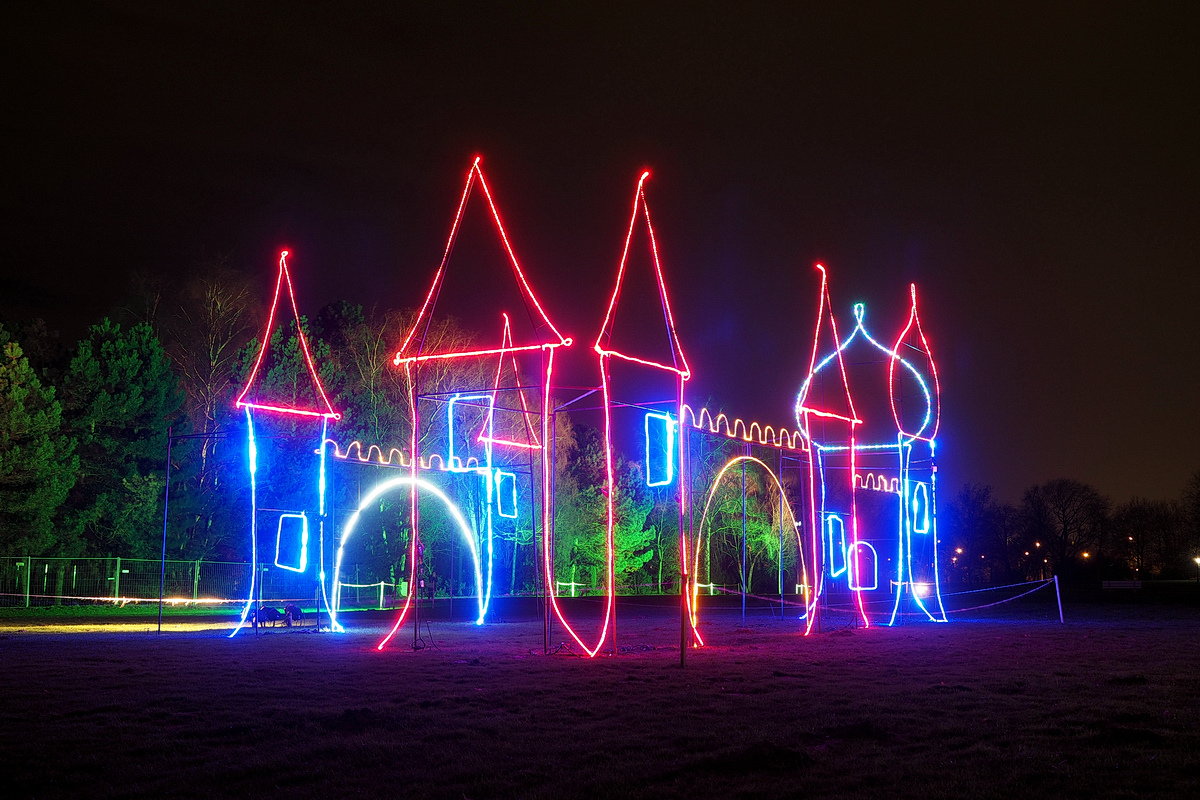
column 548, row 530
column 780, row 474
column 683, row 583
column 28, row 578
column 744, row 539
column 117, row 581
column 162, row 574
column 1058, row 594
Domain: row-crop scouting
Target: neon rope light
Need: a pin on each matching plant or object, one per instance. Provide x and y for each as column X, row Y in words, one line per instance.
column 303, row 542
column 604, row 352
column 668, row 434
column 920, row 508
column 252, row 461
column 877, row 483
column 694, row 585
column 803, row 410
column 855, row 562
column 784, row 439
column 836, row 531
column 486, row 432
column 327, row 410
column 934, row 408
column 915, row 510
column 420, row 322
column 379, row 490
column 508, row 479
column 605, row 336
column 892, row 359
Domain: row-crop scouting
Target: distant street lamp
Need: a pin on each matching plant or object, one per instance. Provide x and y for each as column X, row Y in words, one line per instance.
column 1197, row 560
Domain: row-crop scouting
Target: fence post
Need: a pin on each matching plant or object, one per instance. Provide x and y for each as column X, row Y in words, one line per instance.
column 28, row 578
column 381, row 595
column 196, row 581
column 117, row 581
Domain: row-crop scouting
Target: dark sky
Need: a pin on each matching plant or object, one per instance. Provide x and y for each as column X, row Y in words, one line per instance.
column 1034, row 171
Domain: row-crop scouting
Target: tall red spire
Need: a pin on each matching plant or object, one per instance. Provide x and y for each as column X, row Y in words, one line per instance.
column 323, row 408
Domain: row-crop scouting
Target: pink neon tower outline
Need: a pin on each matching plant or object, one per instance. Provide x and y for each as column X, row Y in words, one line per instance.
column 324, row 412
column 604, row 352
column 804, row 415
column 410, row 355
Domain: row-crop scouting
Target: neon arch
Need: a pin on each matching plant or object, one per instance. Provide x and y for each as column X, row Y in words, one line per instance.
column 694, row 587
column 377, row 492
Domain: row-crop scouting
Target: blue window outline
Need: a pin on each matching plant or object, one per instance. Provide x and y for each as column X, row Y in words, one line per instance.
column 303, row 542
column 668, row 424
column 835, row 533
column 920, row 508
column 510, row 479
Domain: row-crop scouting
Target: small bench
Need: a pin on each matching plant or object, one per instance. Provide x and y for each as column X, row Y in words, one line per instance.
column 1120, row 584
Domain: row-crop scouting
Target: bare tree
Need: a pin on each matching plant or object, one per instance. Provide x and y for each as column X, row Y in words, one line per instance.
column 214, row 318
column 1064, row 519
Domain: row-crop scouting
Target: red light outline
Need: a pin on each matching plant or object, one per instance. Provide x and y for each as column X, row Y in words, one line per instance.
column 411, row 362
column 280, row 279
column 431, row 296
column 914, row 319
column 639, row 198
column 506, row 339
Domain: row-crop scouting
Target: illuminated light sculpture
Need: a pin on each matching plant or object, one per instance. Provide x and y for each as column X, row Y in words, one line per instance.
column 302, row 538
column 680, row 372
column 660, row 449
column 319, row 410
column 783, row 439
column 380, row 489
column 892, row 460
column 694, row 586
column 412, row 356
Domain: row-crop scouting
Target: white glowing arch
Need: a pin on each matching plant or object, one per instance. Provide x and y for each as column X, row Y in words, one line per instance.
column 374, row 495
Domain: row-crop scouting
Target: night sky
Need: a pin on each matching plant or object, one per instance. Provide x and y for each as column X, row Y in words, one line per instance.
column 1035, row 173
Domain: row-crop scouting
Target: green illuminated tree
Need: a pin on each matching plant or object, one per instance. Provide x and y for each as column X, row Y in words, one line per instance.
column 119, row 397
column 37, row 461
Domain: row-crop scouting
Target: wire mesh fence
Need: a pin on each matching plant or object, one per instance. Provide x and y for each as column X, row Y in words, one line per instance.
column 37, row 582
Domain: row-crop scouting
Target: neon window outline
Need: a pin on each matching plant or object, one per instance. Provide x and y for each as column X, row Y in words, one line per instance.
column 510, row 479
column 669, row 435
column 839, row 547
column 852, row 561
column 303, row 541
column 920, row 508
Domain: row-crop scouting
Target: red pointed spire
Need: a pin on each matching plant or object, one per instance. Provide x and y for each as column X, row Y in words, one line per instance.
column 836, row 404
column 411, row 349
column 679, row 363
column 912, row 340
column 323, row 408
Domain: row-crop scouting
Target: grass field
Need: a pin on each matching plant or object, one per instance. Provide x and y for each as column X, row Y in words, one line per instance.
column 1107, row 705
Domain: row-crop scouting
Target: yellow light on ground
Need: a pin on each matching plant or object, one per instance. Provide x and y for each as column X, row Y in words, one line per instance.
column 149, row 626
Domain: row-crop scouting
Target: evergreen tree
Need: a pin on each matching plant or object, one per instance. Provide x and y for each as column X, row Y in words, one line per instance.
column 38, row 464
column 119, row 397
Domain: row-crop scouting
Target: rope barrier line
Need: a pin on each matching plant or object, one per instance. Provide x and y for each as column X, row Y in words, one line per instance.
column 1043, row 585
column 995, row 588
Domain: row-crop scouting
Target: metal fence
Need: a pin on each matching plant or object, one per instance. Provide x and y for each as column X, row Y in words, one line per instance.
column 29, row 582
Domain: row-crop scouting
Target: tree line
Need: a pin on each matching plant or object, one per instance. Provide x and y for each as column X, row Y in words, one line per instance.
column 84, row 430
column 83, row 463
column 1068, row 528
